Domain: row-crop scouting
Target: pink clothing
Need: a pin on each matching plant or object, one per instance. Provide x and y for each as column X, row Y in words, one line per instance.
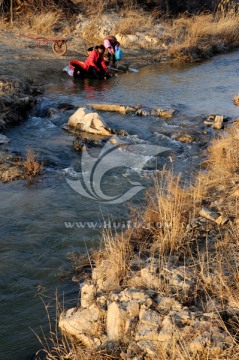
column 108, row 46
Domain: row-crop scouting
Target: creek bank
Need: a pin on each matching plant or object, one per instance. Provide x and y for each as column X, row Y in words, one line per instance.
column 17, row 99
column 169, row 288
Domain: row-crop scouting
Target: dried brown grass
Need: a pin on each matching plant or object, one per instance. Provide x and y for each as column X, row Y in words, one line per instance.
column 202, row 36
column 92, row 7
column 112, row 260
column 32, row 167
column 134, row 20
column 43, row 23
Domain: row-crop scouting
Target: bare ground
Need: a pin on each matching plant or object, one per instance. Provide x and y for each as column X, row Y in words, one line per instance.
column 21, row 57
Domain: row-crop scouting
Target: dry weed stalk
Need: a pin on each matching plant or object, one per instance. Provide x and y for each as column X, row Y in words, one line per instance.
column 32, row 166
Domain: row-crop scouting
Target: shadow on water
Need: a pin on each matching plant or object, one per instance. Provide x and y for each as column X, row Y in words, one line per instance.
column 43, row 223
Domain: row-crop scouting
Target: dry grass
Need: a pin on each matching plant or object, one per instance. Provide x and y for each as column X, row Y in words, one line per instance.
column 32, row 167
column 202, row 36
column 43, row 23
column 112, row 260
column 134, row 20
column 92, row 7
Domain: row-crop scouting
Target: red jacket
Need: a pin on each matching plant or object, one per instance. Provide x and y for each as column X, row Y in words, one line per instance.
column 96, row 60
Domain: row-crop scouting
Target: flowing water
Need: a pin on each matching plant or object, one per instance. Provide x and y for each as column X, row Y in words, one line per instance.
column 38, row 221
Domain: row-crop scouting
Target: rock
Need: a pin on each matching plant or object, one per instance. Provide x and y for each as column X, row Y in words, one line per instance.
column 197, row 345
column 218, row 122
column 86, row 121
column 209, row 123
column 77, row 116
column 167, row 331
column 116, row 321
column 122, row 133
column 208, row 214
column 221, row 220
column 83, row 321
column 143, row 112
column 150, row 278
column 87, row 295
column 146, row 332
column 185, row 138
column 154, row 112
column 123, row 109
column 136, row 294
column 151, row 317
column 150, row 347
column 166, row 304
column 132, row 309
column 139, row 112
column 166, row 113
column 179, row 279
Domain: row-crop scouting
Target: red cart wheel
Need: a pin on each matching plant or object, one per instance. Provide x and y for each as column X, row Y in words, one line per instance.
column 59, row 47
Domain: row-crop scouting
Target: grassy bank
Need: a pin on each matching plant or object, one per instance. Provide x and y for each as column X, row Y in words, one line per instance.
column 203, row 36
column 194, row 227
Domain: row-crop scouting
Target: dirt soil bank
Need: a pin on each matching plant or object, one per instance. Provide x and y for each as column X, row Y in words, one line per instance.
column 21, row 57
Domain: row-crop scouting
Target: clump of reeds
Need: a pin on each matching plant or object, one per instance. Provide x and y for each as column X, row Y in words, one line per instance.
column 32, row 167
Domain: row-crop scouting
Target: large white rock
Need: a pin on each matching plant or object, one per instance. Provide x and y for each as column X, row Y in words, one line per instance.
column 116, row 322
column 87, row 295
column 146, row 332
column 82, row 321
column 76, row 118
column 87, row 121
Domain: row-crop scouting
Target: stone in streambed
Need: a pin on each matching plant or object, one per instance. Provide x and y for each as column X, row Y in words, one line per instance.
column 185, row 138
column 218, row 123
column 86, row 121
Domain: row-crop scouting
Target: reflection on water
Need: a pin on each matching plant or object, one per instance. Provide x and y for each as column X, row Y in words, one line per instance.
column 35, row 241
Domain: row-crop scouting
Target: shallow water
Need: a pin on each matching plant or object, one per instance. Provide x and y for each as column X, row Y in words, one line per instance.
column 37, row 234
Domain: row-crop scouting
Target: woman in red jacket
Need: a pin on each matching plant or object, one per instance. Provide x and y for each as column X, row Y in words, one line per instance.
column 94, row 66
column 95, row 63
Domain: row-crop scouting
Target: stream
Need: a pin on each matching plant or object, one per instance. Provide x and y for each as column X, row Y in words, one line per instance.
column 45, row 222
